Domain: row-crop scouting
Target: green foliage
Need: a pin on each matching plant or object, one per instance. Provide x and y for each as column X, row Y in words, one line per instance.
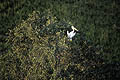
column 42, row 51
column 32, row 53
column 38, row 45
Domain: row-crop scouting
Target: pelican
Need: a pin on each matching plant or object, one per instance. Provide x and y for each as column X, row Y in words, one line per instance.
column 72, row 33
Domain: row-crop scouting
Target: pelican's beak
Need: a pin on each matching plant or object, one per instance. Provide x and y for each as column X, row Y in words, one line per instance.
column 76, row 29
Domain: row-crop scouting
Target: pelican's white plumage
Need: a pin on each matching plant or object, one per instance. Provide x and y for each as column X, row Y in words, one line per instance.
column 72, row 33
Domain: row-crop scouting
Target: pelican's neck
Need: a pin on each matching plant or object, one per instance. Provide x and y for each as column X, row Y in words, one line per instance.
column 73, row 30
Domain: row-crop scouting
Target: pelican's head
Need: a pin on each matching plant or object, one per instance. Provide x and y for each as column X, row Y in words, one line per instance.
column 73, row 28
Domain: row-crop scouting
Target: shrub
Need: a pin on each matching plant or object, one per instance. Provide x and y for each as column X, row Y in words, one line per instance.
column 35, row 49
column 40, row 50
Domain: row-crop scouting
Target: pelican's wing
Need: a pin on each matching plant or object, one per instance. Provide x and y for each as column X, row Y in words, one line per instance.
column 68, row 33
column 73, row 34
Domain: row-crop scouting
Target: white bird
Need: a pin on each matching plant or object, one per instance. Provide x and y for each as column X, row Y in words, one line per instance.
column 72, row 33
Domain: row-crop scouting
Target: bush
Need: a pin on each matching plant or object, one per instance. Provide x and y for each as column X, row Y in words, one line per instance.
column 39, row 47
column 34, row 52
column 40, row 50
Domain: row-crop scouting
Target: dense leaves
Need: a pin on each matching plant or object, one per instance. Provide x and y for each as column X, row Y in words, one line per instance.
column 37, row 46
